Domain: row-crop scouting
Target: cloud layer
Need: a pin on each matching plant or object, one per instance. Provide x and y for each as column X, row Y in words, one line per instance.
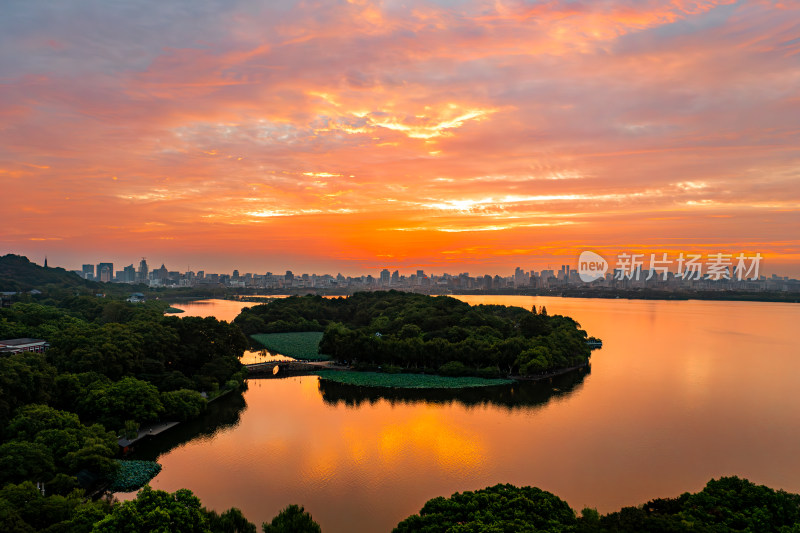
column 354, row 135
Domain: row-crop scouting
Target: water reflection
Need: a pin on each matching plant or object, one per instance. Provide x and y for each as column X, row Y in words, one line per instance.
column 520, row 394
column 256, row 356
column 222, row 414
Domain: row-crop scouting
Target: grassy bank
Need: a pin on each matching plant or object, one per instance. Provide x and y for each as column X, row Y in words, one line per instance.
column 173, row 310
column 407, row 381
column 300, row 345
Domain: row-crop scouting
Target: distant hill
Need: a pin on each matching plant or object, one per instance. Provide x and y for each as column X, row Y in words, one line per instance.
column 17, row 273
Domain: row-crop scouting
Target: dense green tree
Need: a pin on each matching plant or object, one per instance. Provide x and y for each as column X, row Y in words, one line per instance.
column 182, row 404
column 53, row 441
column 156, row 510
column 502, row 508
column 230, row 521
column 126, row 399
column 23, row 507
column 423, row 332
column 24, row 378
column 292, row 519
column 21, row 461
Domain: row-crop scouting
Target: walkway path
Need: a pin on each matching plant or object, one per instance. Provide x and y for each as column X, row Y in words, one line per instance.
column 147, row 431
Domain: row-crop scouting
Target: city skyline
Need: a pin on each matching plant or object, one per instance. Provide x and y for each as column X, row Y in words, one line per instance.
column 442, row 135
column 751, row 267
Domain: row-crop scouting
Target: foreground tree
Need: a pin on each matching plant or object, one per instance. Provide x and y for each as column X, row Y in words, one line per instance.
column 502, row 508
column 231, row 521
column 156, row 510
column 293, row 519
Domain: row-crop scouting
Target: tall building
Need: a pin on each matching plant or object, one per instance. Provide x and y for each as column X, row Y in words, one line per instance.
column 521, row 279
column 143, row 271
column 396, row 277
column 385, row 276
column 128, row 274
column 88, row 272
column 161, row 274
column 105, row 272
column 289, row 277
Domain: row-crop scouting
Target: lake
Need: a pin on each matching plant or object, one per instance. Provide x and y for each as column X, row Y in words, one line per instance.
column 680, row 392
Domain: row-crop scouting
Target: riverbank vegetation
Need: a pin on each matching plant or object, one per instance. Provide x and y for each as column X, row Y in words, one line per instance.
column 435, row 334
column 298, row 345
column 111, row 367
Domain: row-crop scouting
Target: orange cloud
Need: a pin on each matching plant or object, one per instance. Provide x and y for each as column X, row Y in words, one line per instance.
column 339, row 137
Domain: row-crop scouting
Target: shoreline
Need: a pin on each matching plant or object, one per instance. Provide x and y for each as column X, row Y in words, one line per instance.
column 262, row 296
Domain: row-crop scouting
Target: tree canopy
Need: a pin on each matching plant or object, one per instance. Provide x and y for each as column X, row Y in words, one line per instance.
column 439, row 333
column 724, row 505
column 292, row 519
column 111, row 367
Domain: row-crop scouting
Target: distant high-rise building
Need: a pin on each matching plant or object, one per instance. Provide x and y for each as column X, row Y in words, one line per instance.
column 235, row 275
column 105, row 272
column 88, row 272
column 396, row 277
column 521, row 278
column 161, row 274
column 142, row 275
column 128, row 274
column 289, row 277
column 385, row 276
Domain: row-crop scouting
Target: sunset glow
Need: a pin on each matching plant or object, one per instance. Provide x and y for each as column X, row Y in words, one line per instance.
column 352, row 136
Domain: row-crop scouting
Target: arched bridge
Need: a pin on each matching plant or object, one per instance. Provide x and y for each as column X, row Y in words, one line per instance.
column 281, row 369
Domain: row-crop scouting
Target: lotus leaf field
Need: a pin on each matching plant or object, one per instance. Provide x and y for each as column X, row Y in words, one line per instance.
column 133, row 475
column 299, row 345
column 407, row 381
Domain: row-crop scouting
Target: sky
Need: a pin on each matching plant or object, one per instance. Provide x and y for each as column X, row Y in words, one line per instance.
column 349, row 136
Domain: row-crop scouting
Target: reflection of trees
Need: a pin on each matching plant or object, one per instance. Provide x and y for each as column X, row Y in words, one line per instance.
column 222, row 414
column 517, row 395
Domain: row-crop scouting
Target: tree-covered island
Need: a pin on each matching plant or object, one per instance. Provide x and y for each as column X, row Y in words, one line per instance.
column 406, row 332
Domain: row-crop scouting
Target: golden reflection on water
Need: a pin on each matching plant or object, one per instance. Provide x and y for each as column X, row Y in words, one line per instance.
column 430, row 434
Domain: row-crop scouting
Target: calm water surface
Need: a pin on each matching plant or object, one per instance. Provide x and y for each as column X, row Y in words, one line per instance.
column 681, row 392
